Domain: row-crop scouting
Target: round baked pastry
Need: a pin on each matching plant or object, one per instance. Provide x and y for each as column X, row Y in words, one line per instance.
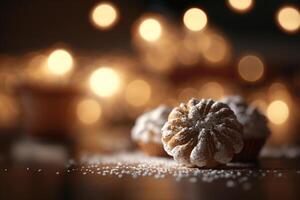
column 202, row 133
column 147, row 131
column 255, row 127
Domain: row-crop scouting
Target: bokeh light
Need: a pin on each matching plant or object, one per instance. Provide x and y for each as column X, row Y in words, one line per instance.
column 217, row 49
column 88, row 111
column 279, row 91
column 278, row 112
column 104, row 15
column 105, row 82
column 195, row 19
column 251, row 68
column 150, row 29
column 138, row 93
column 288, row 18
column 240, row 5
column 187, row 93
column 212, row 90
column 59, row 62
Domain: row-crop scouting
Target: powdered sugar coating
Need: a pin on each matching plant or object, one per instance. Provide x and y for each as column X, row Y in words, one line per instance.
column 148, row 126
column 202, row 133
column 255, row 124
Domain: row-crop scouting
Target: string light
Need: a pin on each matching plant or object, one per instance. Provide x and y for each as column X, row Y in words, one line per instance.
column 60, row 62
column 240, row 5
column 138, row 93
column 150, row 29
column 288, row 18
column 104, row 15
column 278, row 112
column 250, row 68
column 104, row 82
column 88, row 111
column 195, row 19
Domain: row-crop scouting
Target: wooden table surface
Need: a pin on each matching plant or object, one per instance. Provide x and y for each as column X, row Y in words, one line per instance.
column 150, row 178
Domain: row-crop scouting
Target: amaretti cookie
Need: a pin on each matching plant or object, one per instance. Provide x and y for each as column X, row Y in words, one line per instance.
column 202, row 133
column 147, row 131
column 255, row 127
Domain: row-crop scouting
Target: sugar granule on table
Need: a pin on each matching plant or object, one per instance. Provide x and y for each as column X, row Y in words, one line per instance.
column 137, row 165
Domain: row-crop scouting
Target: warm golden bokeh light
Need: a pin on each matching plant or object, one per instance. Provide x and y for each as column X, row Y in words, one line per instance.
column 278, row 112
column 138, row 93
column 251, row 68
column 188, row 53
column 217, row 50
column 260, row 104
column 59, row 62
column 104, row 15
column 150, row 29
column 186, row 94
column 88, row 111
column 279, row 91
column 105, row 82
column 212, row 90
column 288, row 18
column 240, row 5
column 195, row 19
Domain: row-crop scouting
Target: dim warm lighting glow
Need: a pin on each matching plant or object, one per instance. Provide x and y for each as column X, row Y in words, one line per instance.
column 188, row 52
column 289, row 18
column 150, row 29
column 186, row 94
column 278, row 112
column 279, row 91
column 88, row 111
column 251, row 68
column 240, row 5
column 195, row 19
column 217, row 49
column 212, row 90
column 104, row 15
column 104, row 82
column 260, row 104
column 138, row 93
column 9, row 110
column 60, row 62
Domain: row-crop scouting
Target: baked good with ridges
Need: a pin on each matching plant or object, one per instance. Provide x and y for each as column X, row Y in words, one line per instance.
column 202, row 133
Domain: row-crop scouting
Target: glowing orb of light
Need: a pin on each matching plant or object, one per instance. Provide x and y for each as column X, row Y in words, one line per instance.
column 217, row 50
column 278, row 112
column 240, row 5
column 251, row 68
column 288, row 18
column 212, row 90
column 195, row 19
column 150, row 29
column 60, row 62
column 104, row 15
column 105, row 82
column 138, row 92
column 88, row 111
